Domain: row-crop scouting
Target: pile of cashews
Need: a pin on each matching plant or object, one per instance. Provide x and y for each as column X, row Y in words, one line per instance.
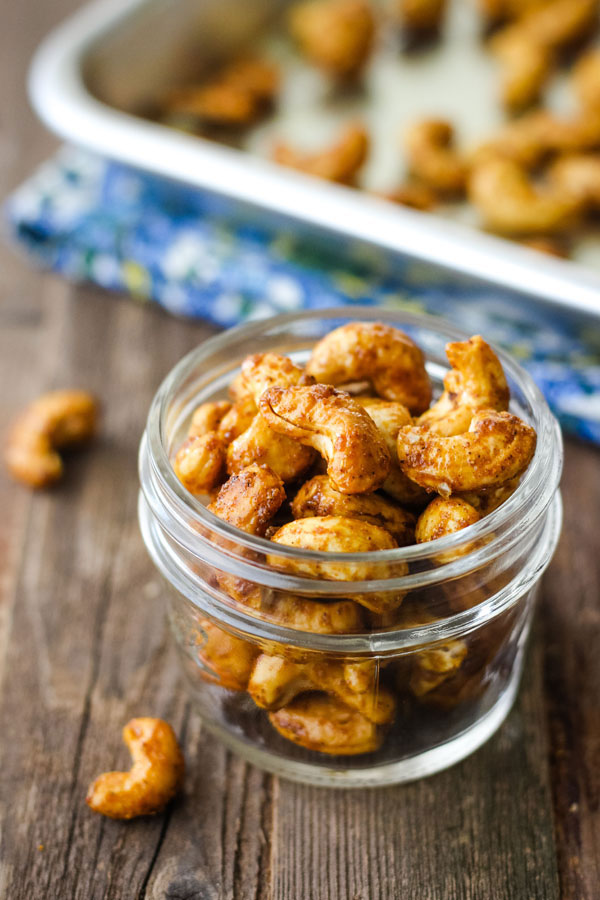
column 536, row 181
column 348, row 455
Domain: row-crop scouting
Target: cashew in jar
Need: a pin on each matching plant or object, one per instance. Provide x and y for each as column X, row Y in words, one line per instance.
column 390, row 417
column 226, row 660
column 337, row 534
column 337, row 426
column 318, row 497
column 248, row 500
column 200, row 463
column 316, row 616
column 488, row 500
column 325, row 724
column 446, row 516
column 262, row 444
column 54, row 421
column 265, row 370
column 475, row 381
column 511, row 204
column 432, row 157
column 379, row 353
column 275, row 681
column 497, row 447
column 336, row 35
column 155, row 776
column 208, row 417
column 340, row 163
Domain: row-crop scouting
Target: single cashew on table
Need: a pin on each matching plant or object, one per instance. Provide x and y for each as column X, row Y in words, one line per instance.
column 154, row 778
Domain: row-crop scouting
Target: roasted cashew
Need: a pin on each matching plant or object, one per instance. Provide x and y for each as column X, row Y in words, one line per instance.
column 371, row 350
column 432, row 158
column 511, row 204
column 318, row 497
column 421, row 16
column 236, row 96
column 57, row 420
column 446, row 516
column 496, row 11
column 578, row 177
column 250, row 499
column 226, row 660
column 339, row 163
column 275, row 681
column 526, row 66
column 390, row 417
column 529, row 140
column 237, row 420
column 266, row 370
column 314, row 616
column 200, row 463
column 497, row 447
column 336, row 35
column 560, row 23
column 208, row 417
column 155, row 776
column 413, row 194
column 432, row 667
column 333, row 423
column 262, row 444
column 586, row 79
column 337, row 534
column 475, row 381
column 551, row 246
column 487, row 501
column 325, row 724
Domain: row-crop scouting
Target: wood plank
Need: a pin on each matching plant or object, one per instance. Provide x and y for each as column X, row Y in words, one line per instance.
column 571, row 632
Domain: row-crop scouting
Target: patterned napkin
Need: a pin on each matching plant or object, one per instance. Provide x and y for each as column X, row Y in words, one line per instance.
column 205, row 257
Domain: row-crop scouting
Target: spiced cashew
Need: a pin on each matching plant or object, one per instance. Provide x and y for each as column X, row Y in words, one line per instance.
column 497, row 447
column 475, row 381
column 250, row 499
column 55, row 421
column 325, row 724
column 275, row 681
column 560, row 23
column 200, row 463
column 333, row 423
column 432, row 157
column 314, row 616
column 421, row 16
column 336, row 35
column 526, row 67
column 579, row 177
column 376, row 352
column 511, row 204
column 155, row 776
column 318, row 497
column 531, row 139
column 586, row 79
column 225, row 659
column 261, row 443
column 340, row 163
column 338, row 534
column 237, row 95
column 488, row 500
column 390, row 417
column 443, row 517
column 208, row 417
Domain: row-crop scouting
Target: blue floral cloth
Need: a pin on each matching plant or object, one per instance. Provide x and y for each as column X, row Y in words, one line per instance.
column 202, row 256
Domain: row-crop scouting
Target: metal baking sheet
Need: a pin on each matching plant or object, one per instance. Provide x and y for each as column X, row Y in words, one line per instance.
column 92, row 77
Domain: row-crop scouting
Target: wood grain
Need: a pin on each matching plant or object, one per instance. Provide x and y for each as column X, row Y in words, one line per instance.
column 84, row 645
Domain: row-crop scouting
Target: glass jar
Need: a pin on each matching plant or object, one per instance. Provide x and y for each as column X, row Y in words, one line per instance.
column 428, row 664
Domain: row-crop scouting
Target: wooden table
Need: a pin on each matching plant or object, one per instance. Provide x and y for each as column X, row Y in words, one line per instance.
column 84, row 646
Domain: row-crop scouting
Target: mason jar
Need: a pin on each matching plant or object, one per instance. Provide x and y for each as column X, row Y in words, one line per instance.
column 347, row 669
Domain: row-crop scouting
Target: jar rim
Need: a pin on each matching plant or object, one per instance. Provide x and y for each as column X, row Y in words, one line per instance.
column 528, row 501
